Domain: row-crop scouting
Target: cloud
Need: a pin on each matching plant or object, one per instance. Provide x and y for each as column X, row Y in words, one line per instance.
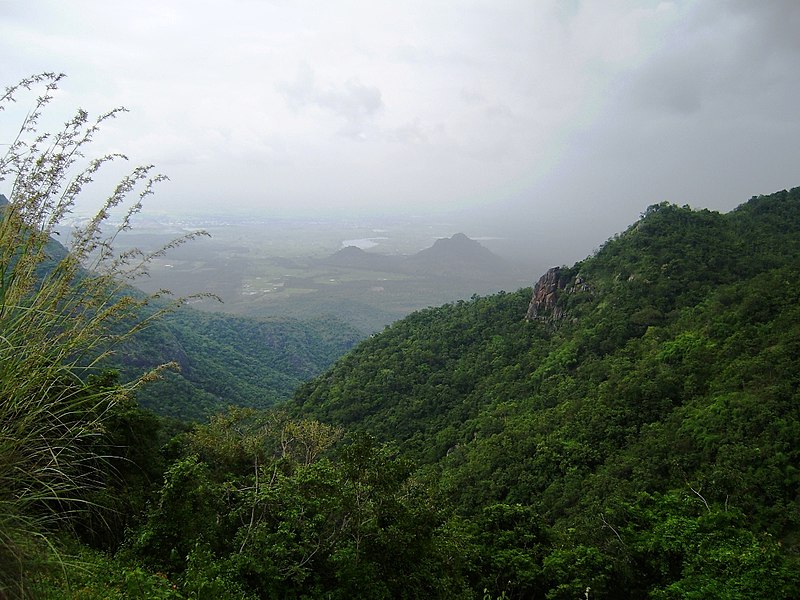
column 727, row 60
column 352, row 101
column 410, row 133
column 581, row 112
column 703, row 114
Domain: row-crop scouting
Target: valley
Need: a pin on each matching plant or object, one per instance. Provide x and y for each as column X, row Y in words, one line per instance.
column 627, row 427
column 399, row 301
column 295, row 268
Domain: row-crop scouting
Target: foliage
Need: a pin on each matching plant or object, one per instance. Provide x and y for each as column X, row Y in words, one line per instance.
column 58, row 320
column 673, row 373
column 92, row 575
column 638, row 441
column 260, row 503
column 226, row 360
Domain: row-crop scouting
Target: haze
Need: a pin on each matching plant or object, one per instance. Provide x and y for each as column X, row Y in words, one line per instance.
column 551, row 123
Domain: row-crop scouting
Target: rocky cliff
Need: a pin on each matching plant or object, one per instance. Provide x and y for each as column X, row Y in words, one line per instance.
column 547, row 292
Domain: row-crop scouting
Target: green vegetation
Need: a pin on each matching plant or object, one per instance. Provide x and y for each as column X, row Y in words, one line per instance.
column 78, row 458
column 637, row 439
column 652, row 428
column 262, row 505
column 223, row 360
column 57, row 322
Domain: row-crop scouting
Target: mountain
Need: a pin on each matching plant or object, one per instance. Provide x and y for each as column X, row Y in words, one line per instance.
column 628, row 428
column 631, row 425
column 353, row 257
column 457, row 257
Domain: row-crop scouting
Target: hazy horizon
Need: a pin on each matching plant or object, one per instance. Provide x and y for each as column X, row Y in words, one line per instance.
column 551, row 123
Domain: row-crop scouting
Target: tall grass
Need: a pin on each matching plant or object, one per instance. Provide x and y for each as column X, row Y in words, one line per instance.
column 61, row 313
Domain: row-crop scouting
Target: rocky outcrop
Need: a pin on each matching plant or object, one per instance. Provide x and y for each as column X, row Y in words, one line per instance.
column 545, row 295
column 545, row 305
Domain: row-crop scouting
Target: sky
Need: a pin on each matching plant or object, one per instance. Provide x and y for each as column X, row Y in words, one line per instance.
column 556, row 122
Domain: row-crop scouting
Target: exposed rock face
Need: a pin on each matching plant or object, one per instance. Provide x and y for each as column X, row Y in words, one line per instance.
column 545, row 294
column 544, row 304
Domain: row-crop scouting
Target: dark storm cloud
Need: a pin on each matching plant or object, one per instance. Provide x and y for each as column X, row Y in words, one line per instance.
column 732, row 53
column 708, row 119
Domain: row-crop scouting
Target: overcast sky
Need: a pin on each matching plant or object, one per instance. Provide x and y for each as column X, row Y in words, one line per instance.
column 563, row 118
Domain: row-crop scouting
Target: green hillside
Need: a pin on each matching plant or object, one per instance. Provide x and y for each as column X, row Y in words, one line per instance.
column 226, row 360
column 628, row 428
column 219, row 359
column 647, row 418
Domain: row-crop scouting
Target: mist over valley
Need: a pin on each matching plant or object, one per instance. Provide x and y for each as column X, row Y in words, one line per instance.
column 366, row 272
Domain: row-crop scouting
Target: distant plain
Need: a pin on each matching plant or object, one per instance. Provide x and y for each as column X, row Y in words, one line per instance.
column 277, row 267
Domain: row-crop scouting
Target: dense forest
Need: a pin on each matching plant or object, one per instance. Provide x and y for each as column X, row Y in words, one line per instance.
column 222, row 360
column 634, row 436
column 638, row 436
column 626, row 429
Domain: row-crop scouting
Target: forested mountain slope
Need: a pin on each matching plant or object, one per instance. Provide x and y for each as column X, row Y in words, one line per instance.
column 627, row 429
column 226, row 360
column 220, row 360
column 648, row 414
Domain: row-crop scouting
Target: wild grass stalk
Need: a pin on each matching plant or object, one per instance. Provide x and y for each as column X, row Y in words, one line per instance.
column 61, row 313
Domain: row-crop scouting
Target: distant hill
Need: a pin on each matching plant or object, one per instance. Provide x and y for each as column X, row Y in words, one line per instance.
column 353, row 257
column 457, row 257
